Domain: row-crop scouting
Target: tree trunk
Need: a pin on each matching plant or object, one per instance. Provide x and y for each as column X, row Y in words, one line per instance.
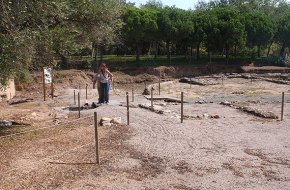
column 93, row 49
column 95, row 61
column 185, row 52
column 168, row 49
column 156, row 50
column 269, row 48
column 197, row 51
column 227, row 54
column 138, row 52
column 64, row 61
column 282, row 51
column 259, row 51
column 236, row 51
column 101, row 53
column 191, row 48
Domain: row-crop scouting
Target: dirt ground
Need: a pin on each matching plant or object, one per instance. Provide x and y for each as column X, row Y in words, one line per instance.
column 235, row 150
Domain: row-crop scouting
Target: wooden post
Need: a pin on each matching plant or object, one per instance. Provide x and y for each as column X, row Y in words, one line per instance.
column 128, row 117
column 159, row 87
column 75, row 97
column 282, row 107
column 113, row 85
column 251, row 76
column 210, row 66
column 97, row 138
column 86, row 91
column 52, row 87
column 132, row 94
column 44, row 89
column 79, row 104
column 152, row 98
column 181, row 107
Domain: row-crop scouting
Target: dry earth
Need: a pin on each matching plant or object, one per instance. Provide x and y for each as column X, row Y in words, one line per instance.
column 156, row 151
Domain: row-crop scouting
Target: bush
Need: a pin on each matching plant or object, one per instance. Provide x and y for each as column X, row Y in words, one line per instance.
column 24, row 77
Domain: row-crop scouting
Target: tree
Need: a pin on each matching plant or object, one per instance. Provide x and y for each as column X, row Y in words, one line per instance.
column 224, row 30
column 283, row 34
column 260, row 30
column 139, row 26
column 42, row 29
column 200, row 19
column 174, row 25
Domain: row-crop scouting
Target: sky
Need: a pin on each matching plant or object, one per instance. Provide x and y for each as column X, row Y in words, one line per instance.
column 183, row 4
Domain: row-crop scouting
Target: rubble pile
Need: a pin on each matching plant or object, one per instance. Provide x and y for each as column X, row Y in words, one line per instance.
column 108, row 122
column 254, row 111
column 198, row 81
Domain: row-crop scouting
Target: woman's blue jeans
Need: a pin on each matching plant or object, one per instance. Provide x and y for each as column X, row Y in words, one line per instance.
column 104, row 93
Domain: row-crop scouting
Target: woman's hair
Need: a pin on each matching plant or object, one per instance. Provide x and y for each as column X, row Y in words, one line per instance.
column 103, row 65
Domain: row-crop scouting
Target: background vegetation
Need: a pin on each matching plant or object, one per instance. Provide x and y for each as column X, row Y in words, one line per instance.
column 37, row 33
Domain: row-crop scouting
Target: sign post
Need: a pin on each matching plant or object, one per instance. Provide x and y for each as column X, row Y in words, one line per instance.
column 43, row 82
column 52, row 87
column 47, row 79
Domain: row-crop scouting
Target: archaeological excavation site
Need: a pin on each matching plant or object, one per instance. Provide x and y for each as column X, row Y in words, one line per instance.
column 145, row 95
column 168, row 128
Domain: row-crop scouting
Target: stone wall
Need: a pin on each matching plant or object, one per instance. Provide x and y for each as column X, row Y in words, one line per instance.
column 7, row 92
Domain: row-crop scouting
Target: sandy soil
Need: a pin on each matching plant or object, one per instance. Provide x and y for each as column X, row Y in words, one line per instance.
column 156, row 151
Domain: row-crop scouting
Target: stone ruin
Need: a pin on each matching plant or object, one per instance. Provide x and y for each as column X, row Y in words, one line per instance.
column 7, row 92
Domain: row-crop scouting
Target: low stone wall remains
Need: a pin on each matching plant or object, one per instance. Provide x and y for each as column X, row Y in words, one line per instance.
column 7, row 92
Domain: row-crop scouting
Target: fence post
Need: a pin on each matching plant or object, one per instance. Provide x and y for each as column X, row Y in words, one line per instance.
column 79, row 104
column 132, row 94
column 159, row 87
column 181, row 107
column 128, row 116
column 97, row 138
column 75, row 97
column 113, row 83
column 152, row 98
column 251, row 76
column 282, row 107
column 86, row 91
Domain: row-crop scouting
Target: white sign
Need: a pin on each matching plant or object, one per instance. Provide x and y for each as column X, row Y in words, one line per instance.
column 47, row 75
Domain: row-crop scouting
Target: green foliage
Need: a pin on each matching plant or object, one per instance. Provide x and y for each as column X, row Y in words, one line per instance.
column 35, row 33
column 222, row 27
column 23, row 76
column 283, row 34
column 224, row 30
column 140, row 24
column 260, row 28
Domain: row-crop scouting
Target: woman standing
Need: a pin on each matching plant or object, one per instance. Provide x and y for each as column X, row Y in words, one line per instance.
column 104, row 77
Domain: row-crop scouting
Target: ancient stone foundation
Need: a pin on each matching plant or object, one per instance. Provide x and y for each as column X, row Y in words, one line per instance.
column 7, row 92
